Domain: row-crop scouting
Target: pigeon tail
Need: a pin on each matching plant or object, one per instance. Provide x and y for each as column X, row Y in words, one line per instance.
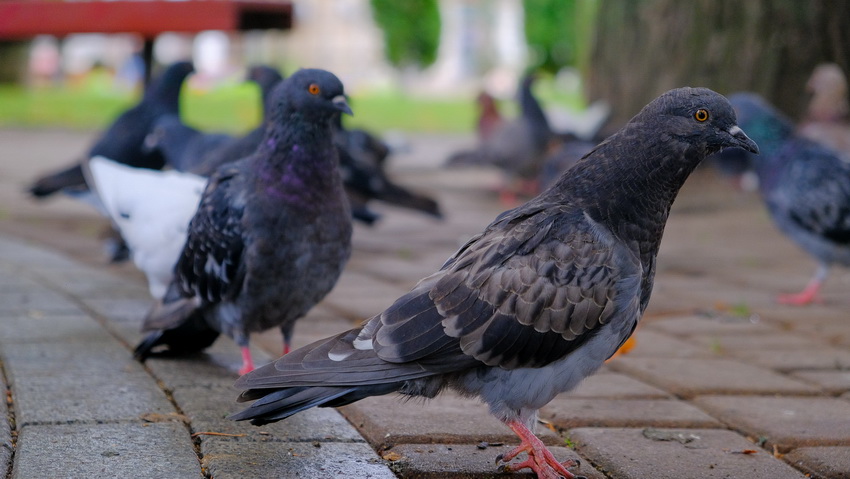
column 191, row 336
column 282, row 403
column 67, row 178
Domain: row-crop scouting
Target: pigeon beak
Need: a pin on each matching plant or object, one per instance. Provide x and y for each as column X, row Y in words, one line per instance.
column 741, row 140
column 341, row 105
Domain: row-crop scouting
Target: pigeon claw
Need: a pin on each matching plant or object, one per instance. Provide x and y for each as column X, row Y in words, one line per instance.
column 540, row 459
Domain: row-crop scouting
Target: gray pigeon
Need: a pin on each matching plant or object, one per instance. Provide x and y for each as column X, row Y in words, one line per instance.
column 271, row 234
column 805, row 185
column 535, row 303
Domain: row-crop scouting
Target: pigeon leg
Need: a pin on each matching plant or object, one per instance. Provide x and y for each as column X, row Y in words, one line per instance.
column 810, row 293
column 286, row 331
column 540, row 460
column 247, row 361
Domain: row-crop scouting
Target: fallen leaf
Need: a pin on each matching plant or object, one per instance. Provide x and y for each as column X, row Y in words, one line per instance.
column 391, row 456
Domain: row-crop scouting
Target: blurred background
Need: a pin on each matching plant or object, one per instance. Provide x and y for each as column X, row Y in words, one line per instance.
column 432, row 57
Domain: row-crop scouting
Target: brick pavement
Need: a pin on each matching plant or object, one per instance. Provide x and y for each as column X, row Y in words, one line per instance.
column 723, row 383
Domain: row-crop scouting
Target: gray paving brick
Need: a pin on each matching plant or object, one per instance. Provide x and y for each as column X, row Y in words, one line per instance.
column 389, row 420
column 649, row 343
column 5, row 433
column 208, row 408
column 688, row 377
column 774, row 340
column 566, row 413
column 106, row 451
column 616, row 386
column 791, row 359
column 261, row 460
column 40, row 301
column 833, row 382
column 708, row 325
column 467, row 461
column 822, row 462
column 637, row 453
column 73, row 381
column 785, row 422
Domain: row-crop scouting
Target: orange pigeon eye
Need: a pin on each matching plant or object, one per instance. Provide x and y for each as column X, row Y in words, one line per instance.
column 701, row 115
column 314, row 89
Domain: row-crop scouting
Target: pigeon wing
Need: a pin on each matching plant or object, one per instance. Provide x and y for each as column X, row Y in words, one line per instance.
column 211, row 266
column 528, row 291
column 818, row 198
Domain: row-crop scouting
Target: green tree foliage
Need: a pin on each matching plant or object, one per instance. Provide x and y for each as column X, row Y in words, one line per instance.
column 551, row 30
column 411, row 30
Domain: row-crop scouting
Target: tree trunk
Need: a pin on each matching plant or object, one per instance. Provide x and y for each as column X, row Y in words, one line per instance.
column 644, row 48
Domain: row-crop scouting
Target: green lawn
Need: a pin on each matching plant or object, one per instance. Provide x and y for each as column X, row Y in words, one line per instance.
column 234, row 108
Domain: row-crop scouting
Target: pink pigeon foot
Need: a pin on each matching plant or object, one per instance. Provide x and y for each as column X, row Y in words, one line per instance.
column 540, row 460
column 809, row 295
column 247, row 362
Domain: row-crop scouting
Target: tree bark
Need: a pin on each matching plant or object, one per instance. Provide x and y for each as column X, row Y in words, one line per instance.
column 644, row 48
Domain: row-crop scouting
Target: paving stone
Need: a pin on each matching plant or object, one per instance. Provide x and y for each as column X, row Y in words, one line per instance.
column 776, row 340
column 85, row 282
column 785, row 422
column 649, row 343
column 35, row 326
column 615, row 386
column 208, row 408
column 833, row 382
column 131, row 310
column 790, row 359
column 41, row 301
column 686, row 377
column 450, row 419
column 468, row 461
column 822, row 462
column 106, row 451
column 260, row 460
column 567, row 413
column 6, row 447
column 64, row 381
column 637, row 453
column 708, row 325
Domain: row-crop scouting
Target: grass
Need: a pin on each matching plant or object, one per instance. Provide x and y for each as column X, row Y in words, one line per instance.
column 234, row 107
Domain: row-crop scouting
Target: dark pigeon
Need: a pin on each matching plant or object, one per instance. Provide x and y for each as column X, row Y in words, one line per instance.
column 565, row 155
column 123, row 140
column 362, row 157
column 271, row 234
column 182, row 146
column 517, row 147
column 266, row 77
column 538, row 301
column 805, row 185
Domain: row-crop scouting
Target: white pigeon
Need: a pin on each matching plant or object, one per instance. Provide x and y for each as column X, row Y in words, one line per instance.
column 152, row 209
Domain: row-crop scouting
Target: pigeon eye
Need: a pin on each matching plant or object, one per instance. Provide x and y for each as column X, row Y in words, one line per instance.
column 701, row 115
column 314, row 89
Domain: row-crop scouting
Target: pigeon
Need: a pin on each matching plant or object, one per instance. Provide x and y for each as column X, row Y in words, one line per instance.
column 266, row 77
column 362, row 157
column 489, row 117
column 152, row 210
column 805, row 186
column 271, row 234
column 827, row 117
column 516, row 147
column 123, row 140
column 182, row 146
column 532, row 305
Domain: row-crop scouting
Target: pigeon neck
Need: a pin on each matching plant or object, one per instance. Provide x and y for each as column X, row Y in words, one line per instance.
column 302, row 162
column 633, row 198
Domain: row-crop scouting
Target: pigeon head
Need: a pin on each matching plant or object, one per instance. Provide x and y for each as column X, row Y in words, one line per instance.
column 316, row 95
column 167, row 86
column 699, row 117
